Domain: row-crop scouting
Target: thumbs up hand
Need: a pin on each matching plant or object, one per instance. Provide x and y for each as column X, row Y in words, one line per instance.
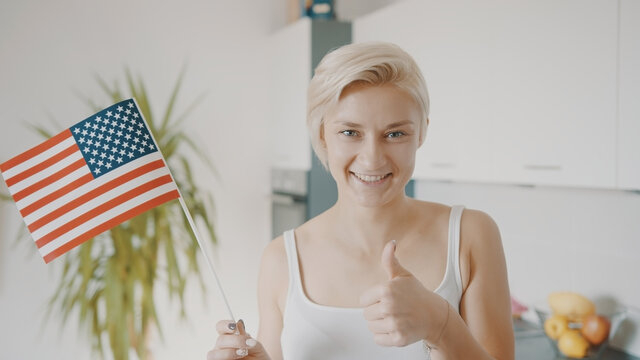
column 401, row 310
column 390, row 262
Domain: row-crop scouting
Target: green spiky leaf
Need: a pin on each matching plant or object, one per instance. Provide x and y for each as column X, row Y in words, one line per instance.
column 109, row 281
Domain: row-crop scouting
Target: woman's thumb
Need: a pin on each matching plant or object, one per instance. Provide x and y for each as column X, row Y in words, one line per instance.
column 391, row 263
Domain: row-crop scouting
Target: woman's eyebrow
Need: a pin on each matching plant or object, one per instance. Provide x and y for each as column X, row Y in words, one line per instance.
column 401, row 123
column 356, row 125
column 349, row 124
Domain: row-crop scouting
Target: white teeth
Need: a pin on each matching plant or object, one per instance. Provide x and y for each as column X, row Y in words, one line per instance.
column 369, row 178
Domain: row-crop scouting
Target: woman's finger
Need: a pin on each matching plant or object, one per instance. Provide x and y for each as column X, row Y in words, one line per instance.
column 232, row 341
column 376, row 311
column 240, row 327
column 374, row 294
column 224, row 354
column 384, row 339
column 226, row 327
column 382, row 326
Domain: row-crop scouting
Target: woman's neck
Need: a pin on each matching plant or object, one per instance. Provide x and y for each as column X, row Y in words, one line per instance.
column 368, row 229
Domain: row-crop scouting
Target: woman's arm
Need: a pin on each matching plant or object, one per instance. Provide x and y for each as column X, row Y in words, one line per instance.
column 483, row 330
column 272, row 288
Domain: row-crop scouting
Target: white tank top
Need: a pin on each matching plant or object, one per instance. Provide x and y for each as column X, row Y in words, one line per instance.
column 312, row 331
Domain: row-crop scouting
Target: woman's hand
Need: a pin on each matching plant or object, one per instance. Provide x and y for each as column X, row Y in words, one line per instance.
column 402, row 311
column 234, row 343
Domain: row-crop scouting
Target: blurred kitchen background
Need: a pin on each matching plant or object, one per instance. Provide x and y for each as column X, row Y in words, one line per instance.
column 535, row 119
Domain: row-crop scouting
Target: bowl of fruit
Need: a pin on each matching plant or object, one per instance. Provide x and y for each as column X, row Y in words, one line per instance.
column 574, row 327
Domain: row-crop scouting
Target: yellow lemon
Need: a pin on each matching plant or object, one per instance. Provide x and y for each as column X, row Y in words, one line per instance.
column 555, row 326
column 573, row 345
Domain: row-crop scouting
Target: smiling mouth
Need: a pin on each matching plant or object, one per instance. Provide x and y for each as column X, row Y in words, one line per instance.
column 371, row 179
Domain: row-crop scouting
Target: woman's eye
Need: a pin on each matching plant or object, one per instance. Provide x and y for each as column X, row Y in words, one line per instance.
column 395, row 134
column 349, row 132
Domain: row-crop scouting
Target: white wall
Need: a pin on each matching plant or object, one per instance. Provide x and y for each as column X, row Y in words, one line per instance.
column 554, row 238
column 561, row 239
column 51, row 49
column 49, row 54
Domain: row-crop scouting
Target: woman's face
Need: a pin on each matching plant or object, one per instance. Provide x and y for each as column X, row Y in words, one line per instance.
column 371, row 136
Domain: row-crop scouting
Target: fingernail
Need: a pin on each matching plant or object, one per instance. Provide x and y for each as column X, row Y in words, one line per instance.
column 242, row 352
column 232, row 326
column 251, row 342
column 395, row 243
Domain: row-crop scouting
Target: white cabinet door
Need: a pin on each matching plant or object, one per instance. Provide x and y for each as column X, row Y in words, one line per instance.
column 556, row 93
column 520, row 92
column 629, row 96
column 426, row 32
column 289, row 74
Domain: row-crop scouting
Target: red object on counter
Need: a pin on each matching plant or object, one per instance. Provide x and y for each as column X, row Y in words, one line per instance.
column 517, row 308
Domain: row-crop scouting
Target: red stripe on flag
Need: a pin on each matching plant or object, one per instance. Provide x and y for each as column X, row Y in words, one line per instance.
column 49, row 180
column 102, row 208
column 43, row 165
column 56, row 194
column 95, row 193
column 35, row 150
column 111, row 223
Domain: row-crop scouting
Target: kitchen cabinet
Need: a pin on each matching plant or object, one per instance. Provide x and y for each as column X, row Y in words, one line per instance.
column 289, row 73
column 521, row 92
column 294, row 51
column 413, row 25
column 559, row 94
column 629, row 96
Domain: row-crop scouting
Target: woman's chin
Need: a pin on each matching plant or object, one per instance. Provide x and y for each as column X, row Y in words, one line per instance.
column 376, row 200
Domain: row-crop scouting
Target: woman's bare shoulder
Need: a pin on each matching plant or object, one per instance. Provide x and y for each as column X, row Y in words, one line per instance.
column 478, row 227
column 274, row 256
column 480, row 243
column 274, row 276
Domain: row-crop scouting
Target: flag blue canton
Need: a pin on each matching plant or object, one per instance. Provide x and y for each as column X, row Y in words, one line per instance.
column 113, row 137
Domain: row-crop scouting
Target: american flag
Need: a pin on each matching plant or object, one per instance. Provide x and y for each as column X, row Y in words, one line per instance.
column 88, row 179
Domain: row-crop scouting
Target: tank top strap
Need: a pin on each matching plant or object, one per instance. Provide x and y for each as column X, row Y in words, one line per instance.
column 292, row 260
column 453, row 248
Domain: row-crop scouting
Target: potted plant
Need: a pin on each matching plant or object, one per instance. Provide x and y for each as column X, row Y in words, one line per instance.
column 110, row 280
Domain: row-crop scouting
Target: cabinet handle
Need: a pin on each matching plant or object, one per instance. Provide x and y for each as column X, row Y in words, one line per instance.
column 282, row 199
column 540, row 167
column 443, row 165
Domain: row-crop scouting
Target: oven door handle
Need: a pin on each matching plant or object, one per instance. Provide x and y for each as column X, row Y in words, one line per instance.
column 281, row 199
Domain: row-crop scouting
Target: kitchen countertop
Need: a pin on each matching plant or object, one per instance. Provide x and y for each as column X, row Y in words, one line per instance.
column 532, row 344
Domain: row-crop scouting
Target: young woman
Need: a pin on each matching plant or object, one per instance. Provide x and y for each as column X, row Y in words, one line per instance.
column 379, row 275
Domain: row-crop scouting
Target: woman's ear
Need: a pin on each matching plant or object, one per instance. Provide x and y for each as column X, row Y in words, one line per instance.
column 323, row 143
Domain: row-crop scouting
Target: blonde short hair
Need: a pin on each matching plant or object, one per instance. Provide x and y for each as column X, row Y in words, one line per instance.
column 374, row 63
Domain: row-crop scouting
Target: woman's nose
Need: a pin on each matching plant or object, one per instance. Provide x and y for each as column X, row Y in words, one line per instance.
column 372, row 154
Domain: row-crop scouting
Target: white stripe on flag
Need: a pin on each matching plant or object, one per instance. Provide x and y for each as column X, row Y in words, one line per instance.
column 106, row 216
column 52, row 169
column 38, row 158
column 29, row 219
column 30, row 199
column 100, row 200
